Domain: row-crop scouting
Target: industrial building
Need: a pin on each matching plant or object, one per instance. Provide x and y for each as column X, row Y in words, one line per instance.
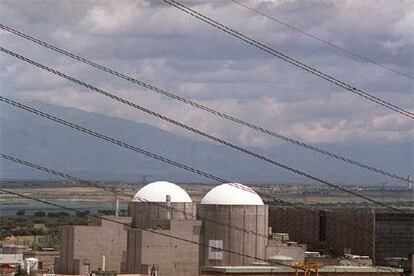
column 230, row 225
column 242, row 208
column 12, row 254
column 45, row 260
column 249, row 240
column 163, row 208
column 379, row 234
column 100, row 245
column 227, row 233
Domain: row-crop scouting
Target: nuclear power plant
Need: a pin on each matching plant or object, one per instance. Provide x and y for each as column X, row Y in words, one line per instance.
column 166, row 233
column 229, row 227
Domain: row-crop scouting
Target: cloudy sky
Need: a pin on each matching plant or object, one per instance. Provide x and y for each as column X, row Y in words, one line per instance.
column 167, row 48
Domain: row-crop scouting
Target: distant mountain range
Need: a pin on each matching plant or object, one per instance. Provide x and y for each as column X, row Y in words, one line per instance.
column 32, row 138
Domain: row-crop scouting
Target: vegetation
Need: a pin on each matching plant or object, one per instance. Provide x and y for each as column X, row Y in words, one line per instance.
column 51, row 239
column 110, row 212
column 44, row 226
column 39, row 214
column 21, row 213
column 20, row 272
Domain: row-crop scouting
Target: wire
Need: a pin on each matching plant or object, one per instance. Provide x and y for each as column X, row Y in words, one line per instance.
column 189, row 128
column 92, row 184
column 288, row 59
column 72, row 178
column 134, row 148
column 333, row 45
column 271, row 199
column 129, row 226
column 205, row 108
column 112, row 140
column 127, row 146
column 120, row 193
column 141, row 228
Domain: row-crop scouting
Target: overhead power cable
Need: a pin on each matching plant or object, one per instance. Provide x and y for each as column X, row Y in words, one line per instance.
column 324, row 41
column 120, row 193
column 206, row 135
column 290, row 60
column 112, row 140
column 205, row 108
column 268, row 198
column 160, row 233
column 92, row 184
column 133, row 148
column 138, row 227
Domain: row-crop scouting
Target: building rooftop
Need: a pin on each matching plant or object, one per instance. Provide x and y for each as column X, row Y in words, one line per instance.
column 158, row 191
column 232, row 194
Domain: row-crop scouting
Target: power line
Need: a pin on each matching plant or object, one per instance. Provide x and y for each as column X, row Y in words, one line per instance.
column 100, row 136
column 329, row 43
column 130, row 147
column 92, row 184
column 71, row 125
column 89, row 183
column 112, row 140
column 189, row 128
column 135, row 227
column 246, row 151
column 133, row 148
column 288, row 59
column 126, row 224
column 120, row 193
column 66, row 123
column 204, row 108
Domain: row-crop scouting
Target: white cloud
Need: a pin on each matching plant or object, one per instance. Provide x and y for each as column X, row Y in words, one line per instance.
column 171, row 50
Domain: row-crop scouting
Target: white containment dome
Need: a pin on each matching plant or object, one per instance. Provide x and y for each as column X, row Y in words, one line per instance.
column 158, row 191
column 232, row 194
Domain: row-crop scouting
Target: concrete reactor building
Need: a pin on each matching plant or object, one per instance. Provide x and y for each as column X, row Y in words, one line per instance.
column 159, row 211
column 236, row 219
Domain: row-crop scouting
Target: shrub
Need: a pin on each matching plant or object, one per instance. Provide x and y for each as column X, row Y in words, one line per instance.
column 39, row 214
column 20, row 213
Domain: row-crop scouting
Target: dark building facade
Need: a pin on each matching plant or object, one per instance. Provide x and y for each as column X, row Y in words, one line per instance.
column 394, row 235
column 377, row 234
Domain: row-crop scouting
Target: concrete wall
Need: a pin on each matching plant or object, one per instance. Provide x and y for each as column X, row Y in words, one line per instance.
column 217, row 218
column 13, row 249
column 378, row 235
column 394, row 236
column 11, row 259
column 328, row 231
column 156, row 215
column 302, row 225
column 87, row 244
column 328, row 261
column 168, row 256
column 292, row 250
column 353, row 230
